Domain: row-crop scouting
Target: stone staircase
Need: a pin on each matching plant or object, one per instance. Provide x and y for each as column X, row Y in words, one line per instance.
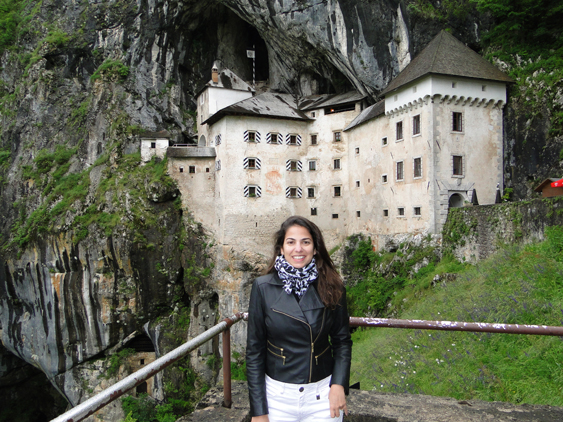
column 367, row 406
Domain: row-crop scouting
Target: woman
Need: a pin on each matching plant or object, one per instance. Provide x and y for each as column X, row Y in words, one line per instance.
column 294, row 372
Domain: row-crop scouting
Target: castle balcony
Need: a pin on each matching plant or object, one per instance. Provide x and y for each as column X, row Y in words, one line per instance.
column 190, row 151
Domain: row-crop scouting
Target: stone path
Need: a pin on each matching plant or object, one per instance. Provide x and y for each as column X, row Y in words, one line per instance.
column 366, row 406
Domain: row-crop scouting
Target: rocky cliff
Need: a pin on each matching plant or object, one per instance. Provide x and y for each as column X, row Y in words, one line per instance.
column 95, row 247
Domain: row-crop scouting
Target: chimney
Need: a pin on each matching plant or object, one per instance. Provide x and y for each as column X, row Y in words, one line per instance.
column 215, row 74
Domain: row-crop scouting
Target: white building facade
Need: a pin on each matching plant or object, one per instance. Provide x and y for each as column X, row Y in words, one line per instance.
column 390, row 169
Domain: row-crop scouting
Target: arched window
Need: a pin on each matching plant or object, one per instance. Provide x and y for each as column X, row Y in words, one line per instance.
column 202, row 142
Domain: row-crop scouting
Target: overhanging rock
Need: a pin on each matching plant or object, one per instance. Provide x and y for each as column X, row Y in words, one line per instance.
column 368, row 406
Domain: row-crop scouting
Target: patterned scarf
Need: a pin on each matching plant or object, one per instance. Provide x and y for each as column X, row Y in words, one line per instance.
column 295, row 279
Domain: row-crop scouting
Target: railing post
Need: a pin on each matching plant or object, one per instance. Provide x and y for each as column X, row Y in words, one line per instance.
column 227, row 401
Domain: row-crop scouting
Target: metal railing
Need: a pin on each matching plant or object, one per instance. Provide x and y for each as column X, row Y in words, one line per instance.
column 95, row 403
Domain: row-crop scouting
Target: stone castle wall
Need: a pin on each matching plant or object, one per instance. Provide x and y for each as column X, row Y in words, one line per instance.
column 475, row 233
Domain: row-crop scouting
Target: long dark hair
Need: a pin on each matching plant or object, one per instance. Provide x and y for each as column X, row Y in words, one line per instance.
column 329, row 285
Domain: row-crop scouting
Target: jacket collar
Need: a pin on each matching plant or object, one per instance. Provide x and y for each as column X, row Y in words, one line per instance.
column 288, row 304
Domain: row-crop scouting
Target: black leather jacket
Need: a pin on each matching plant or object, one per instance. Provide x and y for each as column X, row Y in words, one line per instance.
column 289, row 339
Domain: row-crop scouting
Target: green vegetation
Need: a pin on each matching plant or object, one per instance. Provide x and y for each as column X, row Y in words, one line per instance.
column 111, row 71
column 527, row 38
column 457, row 227
column 238, row 367
column 116, row 360
column 519, row 285
column 387, row 280
column 10, row 19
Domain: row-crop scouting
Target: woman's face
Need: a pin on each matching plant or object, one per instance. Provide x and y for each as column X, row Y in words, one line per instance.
column 298, row 247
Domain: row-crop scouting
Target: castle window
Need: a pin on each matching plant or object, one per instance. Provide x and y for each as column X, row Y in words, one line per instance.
column 401, row 211
column 311, row 192
column 454, row 84
column 293, row 139
column 384, row 178
column 251, row 136
column 313, row 139
column 313, row 114
column 217, row 165
column 191, row 169
column 416, row 125
column 142, row 362
column 357, row 150
column 153, row 145
column 417, row 171
column 483, row 88
column 417, row 211
column 457, row 122
column 399, row 131
column 337, row 191
column 252, row 191
column 384, row 142
column 337, row 136
column 334, row 215
column 457, row 165
column 337, row 164
column 293, row 165
column 181, row 169
column 251, row 163
column 218, row 139
column 313, row 211
column 385, row 213
column 357, row 183
column 312, row 165
column 400, row 171
column 293, row 192
column 358, row 213
column 273, row 138
column 207, row 169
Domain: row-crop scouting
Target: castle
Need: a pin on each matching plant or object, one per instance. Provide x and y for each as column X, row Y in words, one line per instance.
column 434, row 141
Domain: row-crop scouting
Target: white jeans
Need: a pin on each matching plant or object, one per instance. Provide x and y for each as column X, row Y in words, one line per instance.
column 299, row 402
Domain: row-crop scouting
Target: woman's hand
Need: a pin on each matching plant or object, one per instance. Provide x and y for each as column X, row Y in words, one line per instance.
column 262, row 418
column 337, row 400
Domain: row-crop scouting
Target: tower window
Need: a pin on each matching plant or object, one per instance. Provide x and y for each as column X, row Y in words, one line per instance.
column 457, row 165
column 399, row 131
column 191, row 169
column 416, row 125
column 337, row 164
column 400, row 171
column 457, row 122
column 417, row 171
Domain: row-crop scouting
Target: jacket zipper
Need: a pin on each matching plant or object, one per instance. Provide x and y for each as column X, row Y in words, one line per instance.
column 275, row 354
column 319, row 355
column 310, row 333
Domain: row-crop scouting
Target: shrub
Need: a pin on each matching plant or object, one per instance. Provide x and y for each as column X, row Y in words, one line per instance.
column 111, row 71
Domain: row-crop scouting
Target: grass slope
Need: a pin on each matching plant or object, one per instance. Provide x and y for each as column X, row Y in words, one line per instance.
column 521, row 285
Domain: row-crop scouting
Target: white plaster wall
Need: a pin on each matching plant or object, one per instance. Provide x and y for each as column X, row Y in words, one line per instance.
column 198, row 189
column 147, row 152
column 442, row 85
column 480, row 145
column 375, row 160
